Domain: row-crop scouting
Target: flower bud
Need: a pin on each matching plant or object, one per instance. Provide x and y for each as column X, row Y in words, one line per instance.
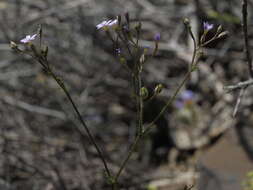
column 186, row 21
column 122, row 60
column 219, row 29
column 158, row 89
column 144, row 92
column 13, row 45
column 138, row 27
column 142, row 58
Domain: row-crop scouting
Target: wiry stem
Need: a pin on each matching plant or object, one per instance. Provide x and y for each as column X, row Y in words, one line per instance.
column 46, row 66
column 246, row 37
column 147, row 129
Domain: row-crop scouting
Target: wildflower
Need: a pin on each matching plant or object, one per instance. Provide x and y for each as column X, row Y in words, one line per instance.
column 207, row 26
column 157, row 37
column 107, row 23
column 187, row 95
column 28, row 38
column 185, row 98
column 179, row 104
column 118, row 51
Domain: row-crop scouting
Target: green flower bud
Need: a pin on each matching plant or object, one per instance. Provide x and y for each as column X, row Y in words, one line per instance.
column 138, row 27
column 159, row 88
column 144, row 92
column 122, row 60
column 186, row 21
column 219, row 29
column 13, row 45
column 142, row 58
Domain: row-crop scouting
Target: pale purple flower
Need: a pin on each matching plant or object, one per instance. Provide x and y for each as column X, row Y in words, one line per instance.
column 118, row 50
column 107, row 23
column 28, row 38
column 179, row 104
column 207, row 26
column 157, row 36
column 113, row 22
column 187, row 95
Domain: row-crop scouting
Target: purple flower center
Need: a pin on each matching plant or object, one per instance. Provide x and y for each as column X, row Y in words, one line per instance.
column 207, row 26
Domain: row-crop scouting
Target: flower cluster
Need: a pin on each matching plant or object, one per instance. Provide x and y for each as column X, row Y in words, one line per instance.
column 217, row 35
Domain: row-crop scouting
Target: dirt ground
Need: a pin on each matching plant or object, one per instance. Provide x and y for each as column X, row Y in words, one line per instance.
column 40, row 146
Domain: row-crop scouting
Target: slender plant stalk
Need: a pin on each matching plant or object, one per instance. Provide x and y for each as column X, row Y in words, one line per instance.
column 131, row 150
column 246, row 37
column 193, row 64
column 151, row 125
column 140, row 123
column 45, row 64
column 143, row 133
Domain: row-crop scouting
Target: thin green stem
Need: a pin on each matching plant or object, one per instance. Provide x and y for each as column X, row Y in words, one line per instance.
column 140, row 105
column 187, row 76
column 131, row 150
column 91, row 138
column 194, row 47
column 151, row 125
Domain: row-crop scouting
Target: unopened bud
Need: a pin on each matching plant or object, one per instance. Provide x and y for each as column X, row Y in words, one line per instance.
column 122, row 60
column 186, row 21
column 142, row 58
column 219, row 29
column 158, row 89
column 13, row 45
column 138, row 27
column 144, row 92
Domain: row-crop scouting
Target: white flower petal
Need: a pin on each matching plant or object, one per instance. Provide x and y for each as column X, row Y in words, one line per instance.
column 113, row 22
column 28, row 38
column 33, row 37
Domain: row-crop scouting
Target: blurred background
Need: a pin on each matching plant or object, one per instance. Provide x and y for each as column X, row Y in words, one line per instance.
column 203, row 146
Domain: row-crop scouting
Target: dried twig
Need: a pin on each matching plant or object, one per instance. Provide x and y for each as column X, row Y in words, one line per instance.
column 239, row 85
column 242, row 91
column 246, row 37
column 243, row 85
